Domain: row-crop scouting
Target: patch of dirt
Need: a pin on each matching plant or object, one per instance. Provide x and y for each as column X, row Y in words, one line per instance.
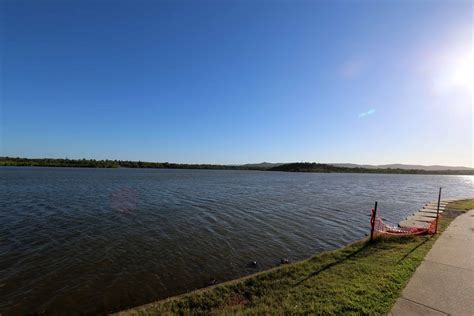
column 237, row 299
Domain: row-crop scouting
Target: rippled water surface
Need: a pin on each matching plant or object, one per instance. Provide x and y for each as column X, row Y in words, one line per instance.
column 97, row 240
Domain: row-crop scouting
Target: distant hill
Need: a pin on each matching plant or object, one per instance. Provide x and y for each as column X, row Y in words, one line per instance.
column 261, row 165
column 401, row 166
column 319, row 167
column 269, row 165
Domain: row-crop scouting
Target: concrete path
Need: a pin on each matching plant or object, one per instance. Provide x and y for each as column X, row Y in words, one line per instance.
column 444, row 282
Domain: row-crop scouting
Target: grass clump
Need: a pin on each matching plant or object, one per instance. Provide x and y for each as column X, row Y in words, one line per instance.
column 461, row 205
column 363, row 278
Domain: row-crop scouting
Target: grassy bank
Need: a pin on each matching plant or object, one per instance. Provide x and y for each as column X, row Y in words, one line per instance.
column 362, row 278
column 462, row 205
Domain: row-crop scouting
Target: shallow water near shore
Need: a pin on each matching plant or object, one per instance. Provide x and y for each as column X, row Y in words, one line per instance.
column 96, row 240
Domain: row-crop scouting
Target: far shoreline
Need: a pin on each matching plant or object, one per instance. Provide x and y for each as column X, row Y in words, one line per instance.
column 255, row 170
column 303, row 167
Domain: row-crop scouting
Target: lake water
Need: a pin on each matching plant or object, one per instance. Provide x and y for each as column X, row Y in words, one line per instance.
column 95, row 240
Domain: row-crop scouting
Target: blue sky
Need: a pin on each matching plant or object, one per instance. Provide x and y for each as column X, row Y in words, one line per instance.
column 238, row 81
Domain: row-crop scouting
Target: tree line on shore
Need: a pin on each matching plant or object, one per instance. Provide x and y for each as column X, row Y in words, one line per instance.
column 93, row 163
column 290, row 167
column 319, row 167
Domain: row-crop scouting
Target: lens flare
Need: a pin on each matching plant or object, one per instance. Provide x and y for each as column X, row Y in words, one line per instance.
column 364, row 114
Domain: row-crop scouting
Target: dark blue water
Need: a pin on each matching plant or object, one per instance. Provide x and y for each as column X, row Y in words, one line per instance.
column 97, row 240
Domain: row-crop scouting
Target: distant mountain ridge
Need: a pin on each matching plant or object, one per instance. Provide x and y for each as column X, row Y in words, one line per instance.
column 401, row 166
column 327, row 168
column 268, row 165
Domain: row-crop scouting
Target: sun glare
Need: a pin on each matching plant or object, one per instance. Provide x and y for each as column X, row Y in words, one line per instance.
column 462, row 75
column 455, row 73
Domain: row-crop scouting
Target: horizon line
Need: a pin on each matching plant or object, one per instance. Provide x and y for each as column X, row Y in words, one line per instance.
column 247, row 163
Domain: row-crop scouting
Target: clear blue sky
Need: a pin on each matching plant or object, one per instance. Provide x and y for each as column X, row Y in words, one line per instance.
column 238, row 81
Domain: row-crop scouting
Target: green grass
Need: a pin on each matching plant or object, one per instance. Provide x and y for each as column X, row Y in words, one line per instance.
column 461, row 205
column 363, row 278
